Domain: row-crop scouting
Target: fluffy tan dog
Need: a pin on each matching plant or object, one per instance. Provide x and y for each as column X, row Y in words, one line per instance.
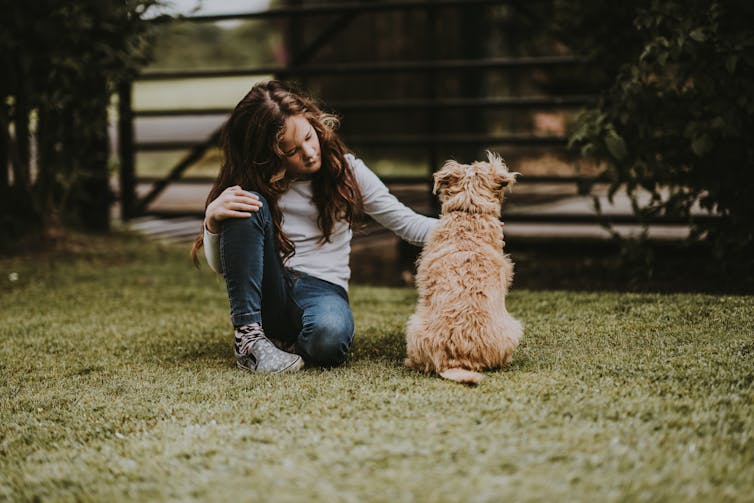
column 461, row 325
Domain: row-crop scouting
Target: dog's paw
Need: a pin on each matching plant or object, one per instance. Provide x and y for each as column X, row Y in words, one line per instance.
column 408, row 362
column 462, row 376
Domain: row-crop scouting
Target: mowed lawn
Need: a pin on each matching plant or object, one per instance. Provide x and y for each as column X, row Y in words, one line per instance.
column 118, row 383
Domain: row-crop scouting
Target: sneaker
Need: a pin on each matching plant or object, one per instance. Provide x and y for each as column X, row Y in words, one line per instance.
column 255, row 352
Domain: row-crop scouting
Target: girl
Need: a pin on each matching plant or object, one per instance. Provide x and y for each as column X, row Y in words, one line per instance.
column 278, row 227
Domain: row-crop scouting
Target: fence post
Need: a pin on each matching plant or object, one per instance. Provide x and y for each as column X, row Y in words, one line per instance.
column 294, row 41
column 126, row 151
column 431, row 86
column 22, row 168
column 4, row 145
column 475, row 31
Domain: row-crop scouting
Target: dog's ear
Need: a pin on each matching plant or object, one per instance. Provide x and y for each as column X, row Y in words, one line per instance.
column 448, row 175
column 502, row 177
column 505, row 178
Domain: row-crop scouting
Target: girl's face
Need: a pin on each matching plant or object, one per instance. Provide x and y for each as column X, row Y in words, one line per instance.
column 300, row 147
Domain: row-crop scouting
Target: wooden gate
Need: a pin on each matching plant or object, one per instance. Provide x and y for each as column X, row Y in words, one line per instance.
column 430, row 69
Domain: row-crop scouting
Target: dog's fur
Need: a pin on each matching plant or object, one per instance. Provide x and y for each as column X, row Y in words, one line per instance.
column 461, row 325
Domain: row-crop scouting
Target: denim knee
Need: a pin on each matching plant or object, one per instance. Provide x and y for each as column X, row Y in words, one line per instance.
column 326, row 338
column 248, row 256
column 258, row 218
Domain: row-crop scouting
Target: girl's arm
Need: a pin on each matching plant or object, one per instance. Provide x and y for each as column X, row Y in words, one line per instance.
column 234, row 202
column 212, row 250
column 387, row 210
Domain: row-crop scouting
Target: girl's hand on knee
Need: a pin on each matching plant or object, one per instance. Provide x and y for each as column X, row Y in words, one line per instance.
column 234, row 202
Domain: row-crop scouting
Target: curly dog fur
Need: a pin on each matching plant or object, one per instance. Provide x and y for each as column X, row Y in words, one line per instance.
column 461, row 325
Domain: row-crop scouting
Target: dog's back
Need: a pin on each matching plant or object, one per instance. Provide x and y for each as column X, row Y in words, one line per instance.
column 461, row 325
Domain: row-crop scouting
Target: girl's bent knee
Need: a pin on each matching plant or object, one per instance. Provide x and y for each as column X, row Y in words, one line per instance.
column 328, row 352
column 326, row 342
column 256, row 221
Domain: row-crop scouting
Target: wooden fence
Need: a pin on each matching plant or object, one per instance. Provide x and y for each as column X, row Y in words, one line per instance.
column 300, row 66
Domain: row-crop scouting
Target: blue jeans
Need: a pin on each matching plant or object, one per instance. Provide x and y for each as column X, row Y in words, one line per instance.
column 293, row 307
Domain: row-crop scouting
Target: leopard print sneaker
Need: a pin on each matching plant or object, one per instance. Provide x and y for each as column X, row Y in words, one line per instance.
column 255, row 352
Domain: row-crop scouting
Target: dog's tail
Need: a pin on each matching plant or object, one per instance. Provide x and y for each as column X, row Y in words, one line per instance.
column 462, row 376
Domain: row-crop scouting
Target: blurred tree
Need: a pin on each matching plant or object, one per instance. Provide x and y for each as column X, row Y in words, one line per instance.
column 62, row 60
column 676, row 114
column 181, row 45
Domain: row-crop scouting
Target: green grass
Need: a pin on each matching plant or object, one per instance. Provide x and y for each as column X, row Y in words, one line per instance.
column 118, row 382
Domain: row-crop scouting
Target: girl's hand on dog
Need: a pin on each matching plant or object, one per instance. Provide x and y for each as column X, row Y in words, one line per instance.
column 234, row 202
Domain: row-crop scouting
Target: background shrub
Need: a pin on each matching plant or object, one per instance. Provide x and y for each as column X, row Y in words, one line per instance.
column 675, row 115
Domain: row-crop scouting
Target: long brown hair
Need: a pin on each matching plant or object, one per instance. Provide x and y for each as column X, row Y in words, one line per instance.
column 253, row 159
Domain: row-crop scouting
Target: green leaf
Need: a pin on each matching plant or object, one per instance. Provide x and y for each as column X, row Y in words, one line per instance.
column 730, row 63
column 698, row 35
column 718, row 123
column 701, row 145
column 615, row 145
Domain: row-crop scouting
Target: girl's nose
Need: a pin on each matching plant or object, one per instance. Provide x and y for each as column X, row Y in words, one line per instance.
column 308, row 151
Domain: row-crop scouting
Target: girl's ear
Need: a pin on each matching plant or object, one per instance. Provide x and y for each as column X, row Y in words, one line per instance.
column 448, row 175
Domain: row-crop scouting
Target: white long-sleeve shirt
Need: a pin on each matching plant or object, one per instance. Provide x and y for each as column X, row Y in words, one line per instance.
column 330, row 260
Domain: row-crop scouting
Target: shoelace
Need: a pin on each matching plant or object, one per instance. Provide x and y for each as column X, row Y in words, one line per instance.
column 249, row 335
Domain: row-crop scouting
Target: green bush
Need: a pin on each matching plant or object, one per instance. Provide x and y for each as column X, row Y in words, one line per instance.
column 676, row 113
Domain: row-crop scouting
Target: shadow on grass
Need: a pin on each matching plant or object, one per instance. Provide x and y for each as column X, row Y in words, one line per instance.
column 211, row 350
column 198, row 353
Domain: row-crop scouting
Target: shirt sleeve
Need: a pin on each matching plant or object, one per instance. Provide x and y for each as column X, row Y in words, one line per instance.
column 212, row 251
column 385, row 208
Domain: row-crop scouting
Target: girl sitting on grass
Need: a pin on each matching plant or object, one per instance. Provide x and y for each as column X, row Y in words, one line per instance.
column 278, row 227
